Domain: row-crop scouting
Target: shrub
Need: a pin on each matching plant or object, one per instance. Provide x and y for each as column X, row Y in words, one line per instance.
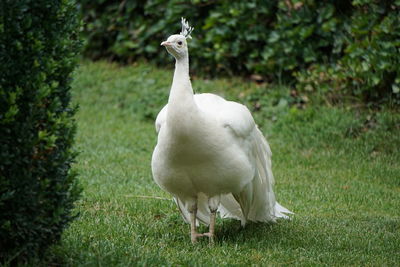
column 354, row 44
column 368, row 65
column 38, row 48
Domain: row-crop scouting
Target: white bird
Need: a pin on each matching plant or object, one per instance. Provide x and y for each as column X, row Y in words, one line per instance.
column 210, row 154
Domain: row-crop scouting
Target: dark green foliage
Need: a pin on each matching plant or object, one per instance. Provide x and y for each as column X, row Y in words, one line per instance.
column 334, row 47
column 38, row 48
column 367, row 57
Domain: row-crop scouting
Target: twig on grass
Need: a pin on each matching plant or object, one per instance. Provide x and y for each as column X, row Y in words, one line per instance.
column 150, row 197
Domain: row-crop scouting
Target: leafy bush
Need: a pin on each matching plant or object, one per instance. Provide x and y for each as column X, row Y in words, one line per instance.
column 369, row 62
column 38, row 48
column 334, row 47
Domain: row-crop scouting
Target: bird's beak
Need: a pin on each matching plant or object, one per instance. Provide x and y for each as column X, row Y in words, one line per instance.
column 165, row 43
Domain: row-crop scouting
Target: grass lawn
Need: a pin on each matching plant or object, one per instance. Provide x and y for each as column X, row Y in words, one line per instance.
column 336, row 168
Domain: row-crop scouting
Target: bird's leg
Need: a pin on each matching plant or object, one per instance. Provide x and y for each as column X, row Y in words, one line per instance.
column 213, row 203
column 211, row 230
column 193, row 212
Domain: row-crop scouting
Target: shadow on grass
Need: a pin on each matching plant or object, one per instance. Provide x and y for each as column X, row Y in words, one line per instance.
column 230, row 231
column 324, row 234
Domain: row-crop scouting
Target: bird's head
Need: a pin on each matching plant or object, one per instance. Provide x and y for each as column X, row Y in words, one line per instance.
column 176, row 44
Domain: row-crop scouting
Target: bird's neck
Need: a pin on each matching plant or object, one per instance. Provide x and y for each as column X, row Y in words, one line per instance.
column 181, row 89
column 181, row 106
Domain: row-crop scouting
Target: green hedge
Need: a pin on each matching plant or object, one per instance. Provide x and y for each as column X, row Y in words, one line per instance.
column 38, row 49
column 337, row 47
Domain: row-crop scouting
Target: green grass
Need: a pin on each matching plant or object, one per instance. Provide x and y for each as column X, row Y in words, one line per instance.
column 337, row 169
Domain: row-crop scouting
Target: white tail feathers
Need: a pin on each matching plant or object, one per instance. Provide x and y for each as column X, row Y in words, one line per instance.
column 280, row 211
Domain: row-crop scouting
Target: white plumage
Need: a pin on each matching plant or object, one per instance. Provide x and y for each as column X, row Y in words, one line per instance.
column 210, row 154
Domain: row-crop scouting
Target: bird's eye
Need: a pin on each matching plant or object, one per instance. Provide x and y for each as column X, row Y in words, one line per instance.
column 179, row 43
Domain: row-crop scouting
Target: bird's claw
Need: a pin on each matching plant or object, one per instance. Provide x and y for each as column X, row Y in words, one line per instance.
column 194, row 237
column 210, row 236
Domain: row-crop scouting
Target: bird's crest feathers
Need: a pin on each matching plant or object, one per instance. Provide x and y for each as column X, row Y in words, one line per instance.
column 186, row 29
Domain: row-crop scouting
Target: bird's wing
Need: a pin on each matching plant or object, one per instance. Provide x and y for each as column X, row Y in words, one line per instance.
column 256, row 202
column 237, row 117
column 161, row 118
column 232, row 115
column 236, row 121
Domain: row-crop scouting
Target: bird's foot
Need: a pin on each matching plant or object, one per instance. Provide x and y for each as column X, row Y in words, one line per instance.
column 194, row 237
column 210, row 236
